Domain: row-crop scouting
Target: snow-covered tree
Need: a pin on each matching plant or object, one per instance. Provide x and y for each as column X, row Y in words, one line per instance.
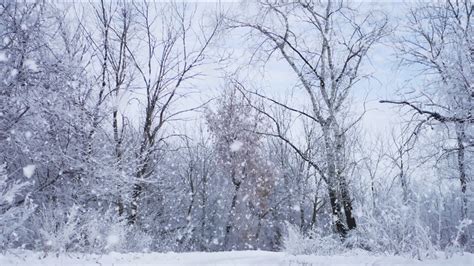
column 241, row 169
column 438, row 41
column 324, row 44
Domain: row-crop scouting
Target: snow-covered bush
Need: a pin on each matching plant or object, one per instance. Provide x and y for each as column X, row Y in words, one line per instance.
column 457, row 244
column 395, row 230
column 58, row 229
column 104, row 232
column 90, row 231
column 138, row 241
column 314, row 243
column 13, row 210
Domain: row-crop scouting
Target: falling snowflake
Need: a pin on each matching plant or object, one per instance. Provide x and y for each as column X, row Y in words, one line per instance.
column 236, row 146
column 14, row 72
column 31, row 65
column 112, row 240
column 3, row 56
column 296, row 208
column 29, row 170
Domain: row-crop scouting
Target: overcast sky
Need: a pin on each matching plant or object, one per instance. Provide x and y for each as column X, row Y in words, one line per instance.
column 387, row 78
column 277, row 79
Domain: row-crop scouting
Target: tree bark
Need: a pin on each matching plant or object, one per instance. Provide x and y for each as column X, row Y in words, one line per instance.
column 336, row 213
column 460, row 136
column 230, row 222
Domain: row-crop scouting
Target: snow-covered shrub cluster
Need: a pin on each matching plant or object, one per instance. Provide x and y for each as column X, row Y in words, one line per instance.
column 78, row 230
column 394, row 231
column 15, row 209
column 314, row 242
column 398, row 232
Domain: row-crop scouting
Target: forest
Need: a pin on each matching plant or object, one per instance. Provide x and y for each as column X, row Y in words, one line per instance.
column 304, row 126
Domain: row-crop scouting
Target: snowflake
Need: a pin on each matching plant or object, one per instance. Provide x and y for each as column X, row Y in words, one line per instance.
column 236, row 146
column 29, row 170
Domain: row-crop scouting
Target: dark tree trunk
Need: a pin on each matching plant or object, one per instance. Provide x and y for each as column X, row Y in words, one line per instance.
column 347, row 204
column 230, row 223
column 462, row 177
column 137, row 191
column 336, row 213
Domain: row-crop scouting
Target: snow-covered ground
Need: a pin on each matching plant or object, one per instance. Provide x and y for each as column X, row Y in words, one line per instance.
column 223, row 258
